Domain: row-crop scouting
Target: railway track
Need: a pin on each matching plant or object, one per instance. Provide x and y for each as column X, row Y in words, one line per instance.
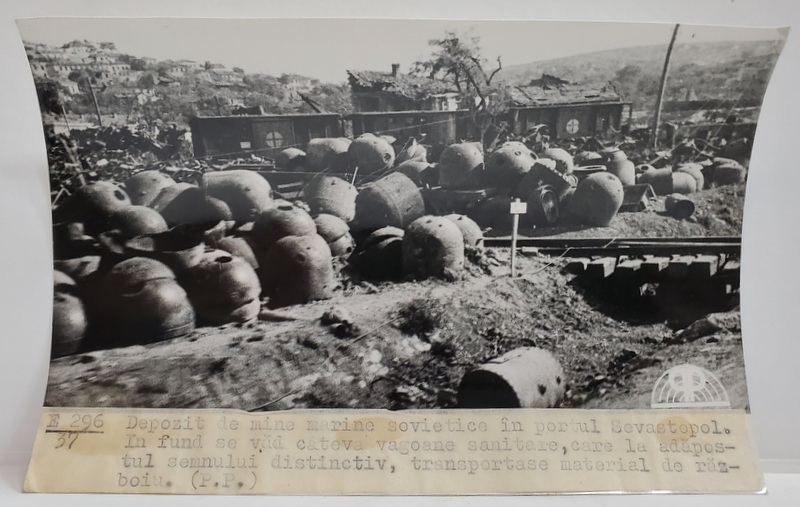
column 577, row 247
column 642, row 260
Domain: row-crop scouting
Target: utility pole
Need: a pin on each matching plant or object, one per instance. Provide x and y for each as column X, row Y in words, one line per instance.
column 64, row 115
column 94, row 101
column 662, row 86
column 316, row 107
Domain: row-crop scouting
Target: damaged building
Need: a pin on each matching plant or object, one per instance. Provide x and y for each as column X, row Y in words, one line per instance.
column 568, row 109
column 394, row 91
column 406, row 105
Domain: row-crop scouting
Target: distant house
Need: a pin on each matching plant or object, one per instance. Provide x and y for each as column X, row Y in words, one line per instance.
column 170, row 83
column 568, row 109
column 115, row 69
column 77, row 51
column 39, row 69
column 227, row 76
column 144, row 98
column 190, row 65
column 139, row 95
column 133, row 76
column 104, row 58
column 71, row 87
column 176, row 72
column 101, row 70
column 64, row 69
column 46, row 53
column 178, row 69
column 296, row 83
column 393, row 91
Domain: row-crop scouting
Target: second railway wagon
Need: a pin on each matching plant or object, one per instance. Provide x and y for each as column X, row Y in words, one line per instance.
column 266, row 135
column 263, row 135
column 437, row 127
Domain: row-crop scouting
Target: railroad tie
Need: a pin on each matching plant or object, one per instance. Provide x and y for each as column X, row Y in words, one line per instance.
column 653, row 266
column 601, row 268
column 704, row 267
column 679, row 266
column 577, row 266
column 628, row 268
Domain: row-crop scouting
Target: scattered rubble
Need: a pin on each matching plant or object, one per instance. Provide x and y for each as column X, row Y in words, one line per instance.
column 341, row 322
column 711, row 324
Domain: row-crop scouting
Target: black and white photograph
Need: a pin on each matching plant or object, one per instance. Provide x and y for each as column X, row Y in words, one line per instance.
column 397, row 214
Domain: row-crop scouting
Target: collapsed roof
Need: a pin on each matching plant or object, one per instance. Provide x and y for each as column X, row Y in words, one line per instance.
column 551, row 90
column 404, row 85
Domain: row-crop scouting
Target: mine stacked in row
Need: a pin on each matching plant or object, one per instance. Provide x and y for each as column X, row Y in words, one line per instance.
column 587, row 188
column 546, row 182
column 150, row 259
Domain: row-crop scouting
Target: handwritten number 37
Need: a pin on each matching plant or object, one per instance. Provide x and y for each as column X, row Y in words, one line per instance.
column 67, row 439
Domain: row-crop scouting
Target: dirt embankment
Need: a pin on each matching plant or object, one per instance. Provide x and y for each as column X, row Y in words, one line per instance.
column 406, row 345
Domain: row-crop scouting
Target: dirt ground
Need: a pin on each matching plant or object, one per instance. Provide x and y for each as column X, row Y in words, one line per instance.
column 407, row 345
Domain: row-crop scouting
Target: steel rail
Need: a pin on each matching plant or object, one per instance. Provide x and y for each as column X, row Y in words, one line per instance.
column 587, row 247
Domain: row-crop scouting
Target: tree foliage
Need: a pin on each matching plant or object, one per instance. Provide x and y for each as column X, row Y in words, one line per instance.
column 83, row 75
column 147, row 81
column 49, row 98
column 456, row 59
column 334, row 98
column 137, row 64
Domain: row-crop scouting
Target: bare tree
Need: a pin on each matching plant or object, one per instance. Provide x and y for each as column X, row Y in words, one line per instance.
column 457, row 60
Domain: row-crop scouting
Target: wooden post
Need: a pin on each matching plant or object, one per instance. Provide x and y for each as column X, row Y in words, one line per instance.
column 662, row 85
column 64, row 114
column 517, row 208
column 94, row 101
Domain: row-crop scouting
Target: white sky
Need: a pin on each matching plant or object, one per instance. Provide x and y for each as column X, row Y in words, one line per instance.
column 325, row 48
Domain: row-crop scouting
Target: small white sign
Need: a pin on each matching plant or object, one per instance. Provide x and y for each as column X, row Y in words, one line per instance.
column 519, row 208
column 245, row 145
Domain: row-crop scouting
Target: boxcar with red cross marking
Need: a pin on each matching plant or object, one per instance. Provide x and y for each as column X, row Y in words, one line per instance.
column 565, row 121
column 567, row 109
column 262, row 135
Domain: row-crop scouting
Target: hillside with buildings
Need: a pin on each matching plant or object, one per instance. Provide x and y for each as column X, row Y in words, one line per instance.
column 132, row 89
column 713, row 78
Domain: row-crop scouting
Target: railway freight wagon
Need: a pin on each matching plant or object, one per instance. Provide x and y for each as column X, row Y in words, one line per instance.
column 565, row 121
column 438, row 127
column 263, row 135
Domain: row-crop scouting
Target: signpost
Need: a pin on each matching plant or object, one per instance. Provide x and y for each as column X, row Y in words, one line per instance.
column 517, row 208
